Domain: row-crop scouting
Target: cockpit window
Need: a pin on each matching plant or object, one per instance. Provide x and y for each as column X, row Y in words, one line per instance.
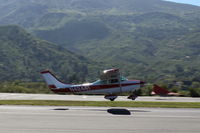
column 114, row 80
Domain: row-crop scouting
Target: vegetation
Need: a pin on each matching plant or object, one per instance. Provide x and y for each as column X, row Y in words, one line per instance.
column 24, row 87
column 102, row 103
column 41, row 87
column 155, row 40
column 23, row 57
column 195, row 92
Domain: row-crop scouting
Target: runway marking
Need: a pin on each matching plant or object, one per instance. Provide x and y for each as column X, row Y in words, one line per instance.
column 84, row 97
column 21, row 96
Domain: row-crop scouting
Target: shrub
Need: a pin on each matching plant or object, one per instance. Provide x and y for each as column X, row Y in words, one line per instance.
column 195, row 92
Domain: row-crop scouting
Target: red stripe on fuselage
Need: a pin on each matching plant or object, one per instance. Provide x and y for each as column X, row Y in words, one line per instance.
column 92, row 87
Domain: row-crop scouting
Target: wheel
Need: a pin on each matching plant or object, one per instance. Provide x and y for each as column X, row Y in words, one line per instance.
column 132, row 97
column 112, row 99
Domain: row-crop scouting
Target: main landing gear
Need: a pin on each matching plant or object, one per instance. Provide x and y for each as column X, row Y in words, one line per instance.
column 132, row 97
column 110, row 97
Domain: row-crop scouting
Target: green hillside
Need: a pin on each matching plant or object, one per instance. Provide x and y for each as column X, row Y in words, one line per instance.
column 23, row 57
column 153, row 40
column 41, row 13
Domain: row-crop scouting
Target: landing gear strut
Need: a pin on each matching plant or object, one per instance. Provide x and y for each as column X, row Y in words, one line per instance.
column 110, row 97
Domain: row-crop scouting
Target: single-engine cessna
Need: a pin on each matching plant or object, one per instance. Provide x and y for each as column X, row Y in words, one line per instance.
column 110, row 84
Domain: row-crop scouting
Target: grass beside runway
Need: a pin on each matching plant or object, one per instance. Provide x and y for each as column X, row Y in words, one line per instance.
column 102, row 103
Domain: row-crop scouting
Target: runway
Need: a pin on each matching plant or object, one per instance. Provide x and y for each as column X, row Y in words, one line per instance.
column 21, row 96
column 59, row 119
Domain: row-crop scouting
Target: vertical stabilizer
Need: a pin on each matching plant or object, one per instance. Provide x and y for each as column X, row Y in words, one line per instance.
column 52, row 81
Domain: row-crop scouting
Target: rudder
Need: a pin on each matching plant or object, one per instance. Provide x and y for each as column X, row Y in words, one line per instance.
column 52, row 81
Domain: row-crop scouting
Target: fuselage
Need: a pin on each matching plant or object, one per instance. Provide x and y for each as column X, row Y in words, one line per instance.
column 100, row 88
column 110, row 84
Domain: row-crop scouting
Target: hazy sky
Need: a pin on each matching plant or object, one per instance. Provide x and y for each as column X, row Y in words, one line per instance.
column 193, row 2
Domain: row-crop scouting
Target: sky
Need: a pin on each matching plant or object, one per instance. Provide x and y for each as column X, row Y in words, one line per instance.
column 193, row 2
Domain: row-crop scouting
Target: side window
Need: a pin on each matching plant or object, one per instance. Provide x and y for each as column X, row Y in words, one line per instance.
column 104, row 81
column 114, row 80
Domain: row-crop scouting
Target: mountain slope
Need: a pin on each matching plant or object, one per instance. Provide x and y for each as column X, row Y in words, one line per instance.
column 23, row 57
column 152, row 40
column 30, row 13
column 144, row 45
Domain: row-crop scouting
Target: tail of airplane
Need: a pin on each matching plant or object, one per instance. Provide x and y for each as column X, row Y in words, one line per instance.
column 159, row 91
column 52, row 81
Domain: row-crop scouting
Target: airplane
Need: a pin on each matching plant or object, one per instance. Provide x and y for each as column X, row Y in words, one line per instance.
column 157, row 90
column 111, row 84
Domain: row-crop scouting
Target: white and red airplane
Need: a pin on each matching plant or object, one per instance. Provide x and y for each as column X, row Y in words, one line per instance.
column 110, row 84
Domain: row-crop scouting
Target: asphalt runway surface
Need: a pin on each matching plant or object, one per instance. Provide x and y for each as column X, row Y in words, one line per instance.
column 62, row 119
column 21, row 96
